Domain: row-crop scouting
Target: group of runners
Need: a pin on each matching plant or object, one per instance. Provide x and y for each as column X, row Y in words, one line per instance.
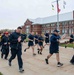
column 14, row 41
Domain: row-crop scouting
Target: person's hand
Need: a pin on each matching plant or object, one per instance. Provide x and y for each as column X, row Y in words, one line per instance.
column 5, row 43
column 58, row 40
column 19, row 39
column 9, row 43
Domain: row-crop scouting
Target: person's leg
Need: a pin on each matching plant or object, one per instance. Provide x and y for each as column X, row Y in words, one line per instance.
column 2, row 54
column 66, row 44
column 58, row 60
column 26, row 48
column 37, row 47
column 49, row 56
column 41, row 50
column 33, row 50
column 46, row 60
column 13, row 55
column 20, row 62
column 45, row 44
column 57, row 57
column 6, row 55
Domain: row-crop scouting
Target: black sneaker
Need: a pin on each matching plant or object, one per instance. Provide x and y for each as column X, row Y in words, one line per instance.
column 34, row 54
column 38, row 49
column 21, row 70
column 43, row 47
column 38, row 52
column 9, row 63
column 65, row 46
column 46, row 60
column 59, row 64
column 5, row 58
column 25, row 50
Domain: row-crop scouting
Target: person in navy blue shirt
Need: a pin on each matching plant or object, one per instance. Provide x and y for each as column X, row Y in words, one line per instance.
column 40, row 42
column 54, row 47
column 31, row 43
column 5, row 45
column 16, row 39
column 71, row 40
column 36, row 39
column 46, row 39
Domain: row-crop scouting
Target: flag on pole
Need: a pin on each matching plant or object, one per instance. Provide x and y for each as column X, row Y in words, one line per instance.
column 58, row 9
column 64, row 4
column 52, row 7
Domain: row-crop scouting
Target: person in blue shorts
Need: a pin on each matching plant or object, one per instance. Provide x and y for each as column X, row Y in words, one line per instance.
column 40, row 42
column 31, row 43
column 46, row 39
column 36, row 39
column 54, row 47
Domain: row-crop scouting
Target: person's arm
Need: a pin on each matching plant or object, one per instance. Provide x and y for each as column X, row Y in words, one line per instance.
column 23, row 37
column 12, row 38
column 53, row 39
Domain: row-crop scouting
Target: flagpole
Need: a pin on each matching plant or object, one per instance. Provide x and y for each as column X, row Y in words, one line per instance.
column 57, row 17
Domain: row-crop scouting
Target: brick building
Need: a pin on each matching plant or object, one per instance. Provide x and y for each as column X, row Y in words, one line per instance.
column 41, row 25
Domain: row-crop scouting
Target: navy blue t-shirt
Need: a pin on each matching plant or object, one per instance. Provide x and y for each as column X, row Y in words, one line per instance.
column 40, row 38
column 47, row 35
column 36, row 37
column 31, row 37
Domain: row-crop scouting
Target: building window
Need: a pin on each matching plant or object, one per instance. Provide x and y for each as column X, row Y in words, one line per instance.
column 70, row 22
column 47, row 25
column 27, row 29
column 43, row 25
column 63, row 23
column 52, row 24
column 66, row 23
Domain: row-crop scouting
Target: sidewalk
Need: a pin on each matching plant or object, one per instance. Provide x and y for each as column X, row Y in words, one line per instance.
column 37, row 66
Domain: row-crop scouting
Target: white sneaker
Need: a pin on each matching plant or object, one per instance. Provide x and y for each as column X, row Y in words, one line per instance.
column 21, row 70
column 59, row 64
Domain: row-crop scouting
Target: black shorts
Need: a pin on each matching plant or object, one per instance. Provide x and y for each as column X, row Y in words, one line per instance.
column 40, row 43
column 71, row 41
column 53, row 51
column 46, row 41
column 30, row 43
column 36, row 41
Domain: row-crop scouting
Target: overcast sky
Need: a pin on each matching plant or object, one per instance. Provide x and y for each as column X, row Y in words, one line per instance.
column 13, row 13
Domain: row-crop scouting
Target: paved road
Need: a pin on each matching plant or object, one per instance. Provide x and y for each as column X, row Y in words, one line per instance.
column 37, row 66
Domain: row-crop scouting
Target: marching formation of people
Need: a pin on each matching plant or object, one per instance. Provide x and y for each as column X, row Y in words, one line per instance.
column 13, row 42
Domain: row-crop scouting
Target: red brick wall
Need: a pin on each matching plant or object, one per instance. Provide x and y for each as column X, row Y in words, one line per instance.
column 27, row 23
column 39, row 28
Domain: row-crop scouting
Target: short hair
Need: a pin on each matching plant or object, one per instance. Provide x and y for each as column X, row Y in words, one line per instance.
column 19, row 27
